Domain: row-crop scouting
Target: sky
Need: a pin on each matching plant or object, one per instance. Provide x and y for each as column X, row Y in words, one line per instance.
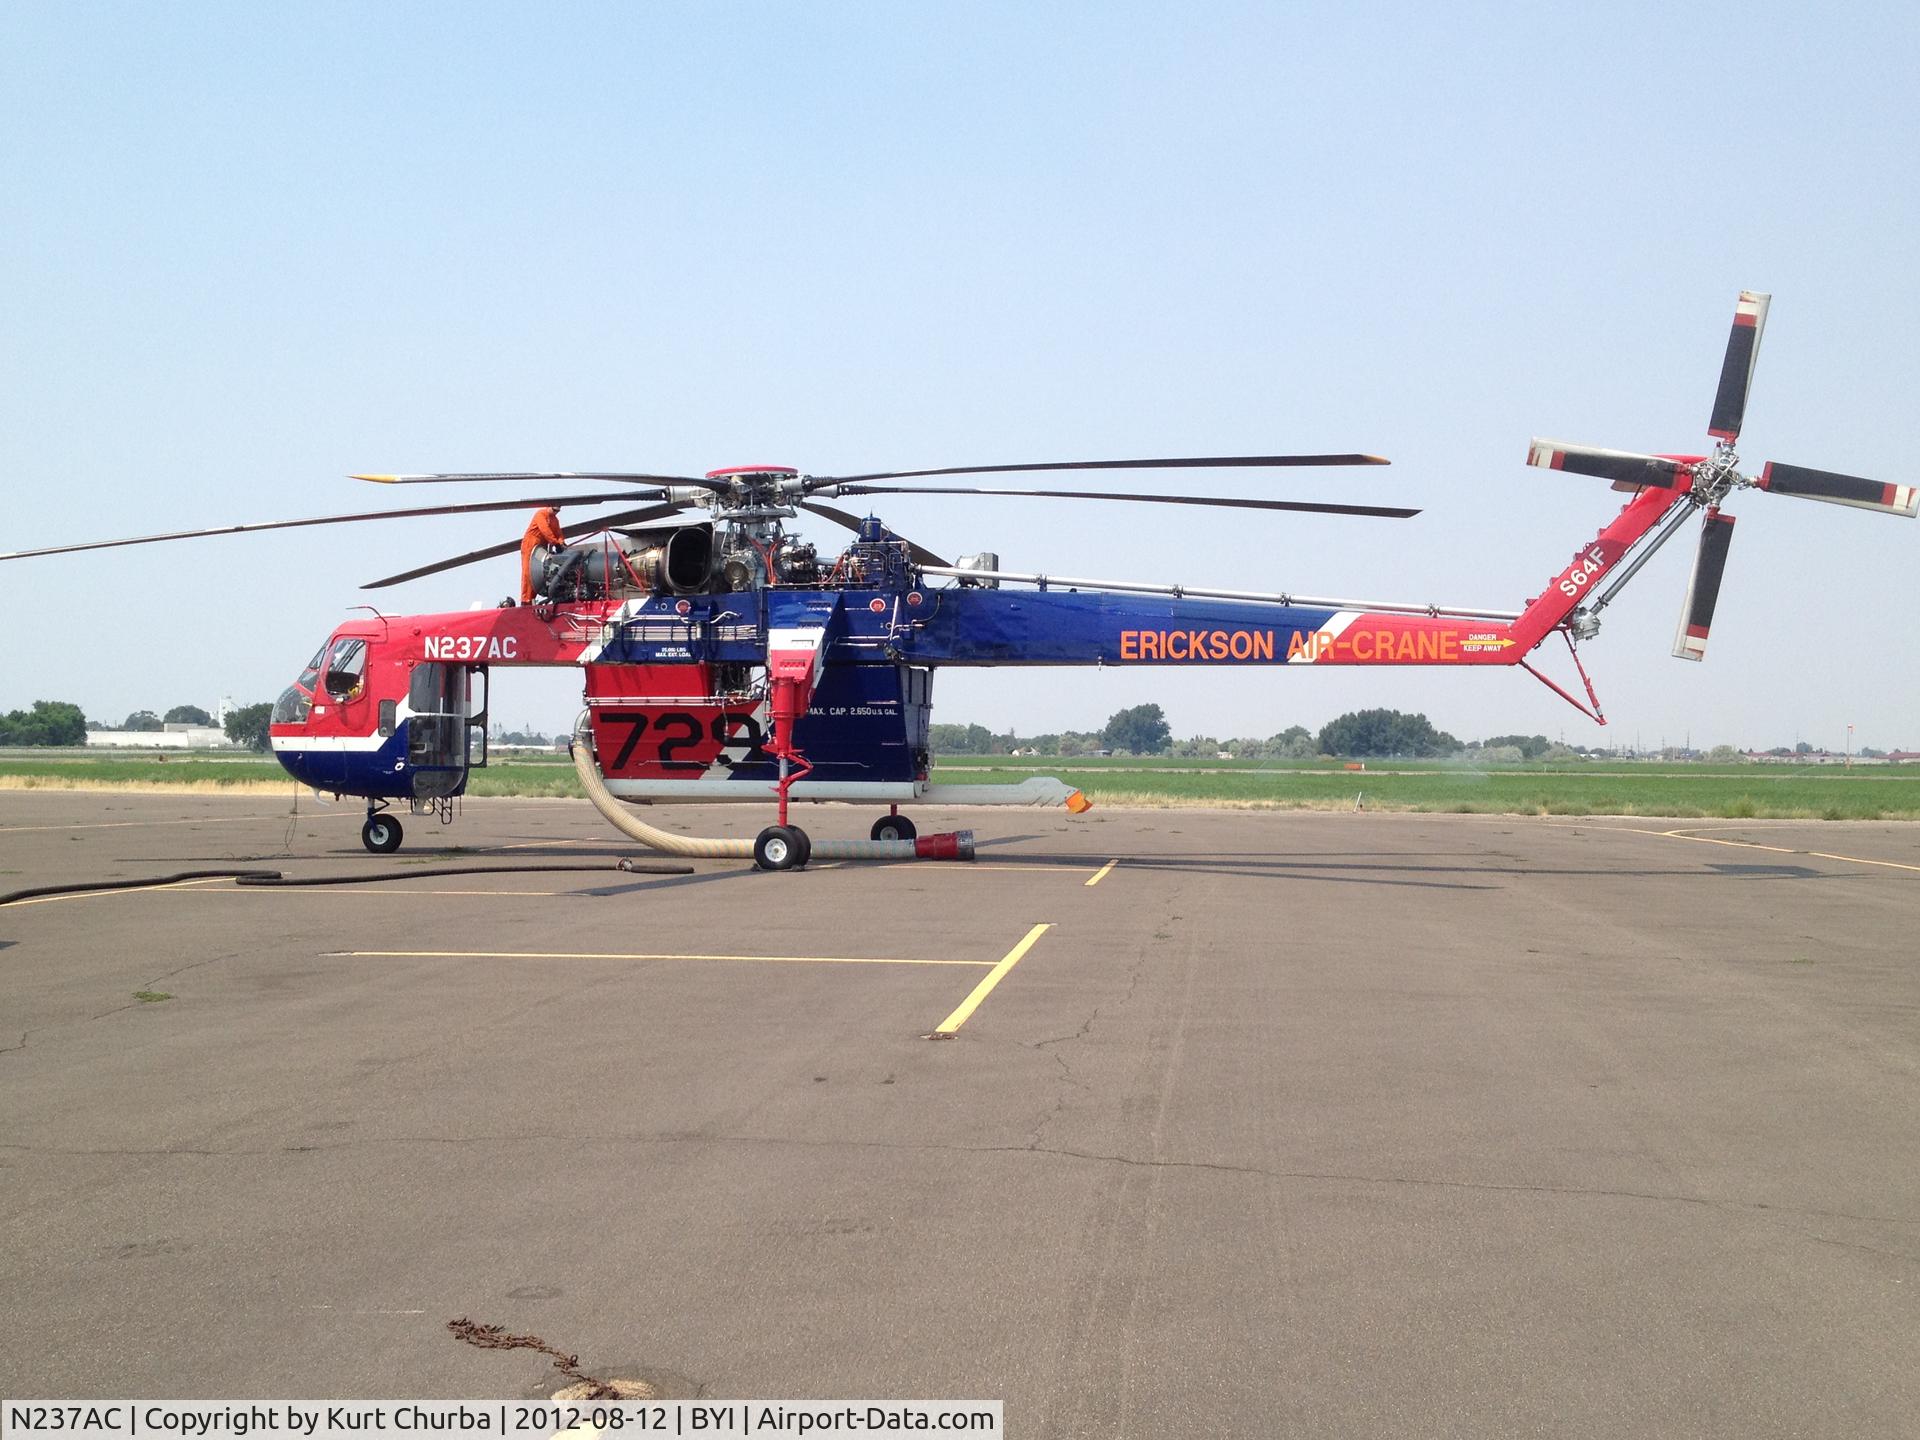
column 248, row 250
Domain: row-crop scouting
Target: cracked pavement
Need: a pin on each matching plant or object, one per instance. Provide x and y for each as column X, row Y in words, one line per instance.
column 1319, row 1124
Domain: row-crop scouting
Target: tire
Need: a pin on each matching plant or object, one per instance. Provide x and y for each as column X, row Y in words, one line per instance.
column 780, row 847
column 381, row 834
column 893, row 827
column 805, row 842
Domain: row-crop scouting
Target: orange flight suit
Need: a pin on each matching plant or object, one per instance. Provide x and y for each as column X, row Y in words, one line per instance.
column 543, row 529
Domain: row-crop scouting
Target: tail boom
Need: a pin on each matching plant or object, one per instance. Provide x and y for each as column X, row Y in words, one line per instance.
column 1565, row 592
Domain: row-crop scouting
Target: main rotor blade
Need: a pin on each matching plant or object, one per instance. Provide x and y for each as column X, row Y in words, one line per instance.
column 1624, row 467
column 920, row 553
column 618, row 477
column 490, row 552
column 1736, row 371
column 1179, row 462
column 1838, row 489
column 413, row 514
column 1382, row 512
column 1703, row 587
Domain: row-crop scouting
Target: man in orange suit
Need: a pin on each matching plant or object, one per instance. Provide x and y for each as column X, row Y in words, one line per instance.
column 543, row 529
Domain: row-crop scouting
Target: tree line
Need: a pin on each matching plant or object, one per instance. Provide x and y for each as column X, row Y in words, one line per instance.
column 59, row 722
column 1359, row 734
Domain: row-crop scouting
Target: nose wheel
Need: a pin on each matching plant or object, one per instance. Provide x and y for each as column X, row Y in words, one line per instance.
column 893, row 827
column 381, row 834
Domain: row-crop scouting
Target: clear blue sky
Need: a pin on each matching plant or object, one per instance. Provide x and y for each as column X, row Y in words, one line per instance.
column 248, row 249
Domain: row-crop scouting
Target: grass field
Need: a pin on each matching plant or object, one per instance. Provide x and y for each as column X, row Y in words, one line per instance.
column 1592, row 787
column 1598, row 787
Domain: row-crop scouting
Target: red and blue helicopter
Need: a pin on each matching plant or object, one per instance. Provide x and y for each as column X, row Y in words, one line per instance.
column 727, row 659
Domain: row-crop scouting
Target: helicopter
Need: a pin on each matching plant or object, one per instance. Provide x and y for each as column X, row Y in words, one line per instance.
column 725, row 658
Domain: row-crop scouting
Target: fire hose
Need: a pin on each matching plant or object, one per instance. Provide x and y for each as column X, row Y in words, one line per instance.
column 953, row 845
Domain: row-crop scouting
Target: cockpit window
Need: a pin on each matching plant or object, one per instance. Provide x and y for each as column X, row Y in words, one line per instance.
column 346, row 668
column 310, row 675
column 291, row 708
column 295, row 701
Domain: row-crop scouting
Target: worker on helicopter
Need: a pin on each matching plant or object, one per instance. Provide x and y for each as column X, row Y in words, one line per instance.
column 543, row 529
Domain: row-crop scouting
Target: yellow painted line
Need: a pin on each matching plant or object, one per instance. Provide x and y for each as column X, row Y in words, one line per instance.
column 390, row 890
column 1709, row 840
column 992, row 978
column 617, row 955
column 128, row 890
column 154, row 824
column 316, row 890
column 1755, row 845
column 978, row 867
column 1862, row 860
column 1101, row 873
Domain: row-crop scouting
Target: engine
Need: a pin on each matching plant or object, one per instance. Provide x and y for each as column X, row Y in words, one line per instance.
column 675, row 561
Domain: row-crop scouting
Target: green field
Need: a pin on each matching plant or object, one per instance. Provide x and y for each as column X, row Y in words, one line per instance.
column 75, row 769
column 1597, row 787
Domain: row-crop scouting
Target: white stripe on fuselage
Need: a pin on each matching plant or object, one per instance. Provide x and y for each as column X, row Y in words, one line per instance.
column 345, row 743
column 610, row 628
column 1335, row 627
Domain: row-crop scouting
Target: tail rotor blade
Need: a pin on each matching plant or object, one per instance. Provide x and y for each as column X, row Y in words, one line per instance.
column 1838, row 489
column 1625, row 468
column 1736, row 371
column 1703, row 589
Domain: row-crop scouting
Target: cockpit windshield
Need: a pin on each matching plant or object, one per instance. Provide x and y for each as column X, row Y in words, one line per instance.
column 310, row 673
column 292, row 706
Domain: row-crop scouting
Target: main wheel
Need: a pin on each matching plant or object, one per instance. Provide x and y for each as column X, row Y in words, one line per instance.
column 781, row 847
column 381, row 834
column 893, row 827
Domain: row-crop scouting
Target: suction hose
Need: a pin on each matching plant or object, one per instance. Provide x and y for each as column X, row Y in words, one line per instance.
column 955, row 845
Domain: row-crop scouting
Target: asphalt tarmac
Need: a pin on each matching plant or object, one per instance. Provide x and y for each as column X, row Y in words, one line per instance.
column 1319, row 1124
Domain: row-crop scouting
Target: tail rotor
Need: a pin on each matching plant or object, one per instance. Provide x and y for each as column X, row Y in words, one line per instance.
column 1708, row 480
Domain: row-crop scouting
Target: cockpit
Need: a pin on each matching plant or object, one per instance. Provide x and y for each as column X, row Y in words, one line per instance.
column 364, row 719
column 342, row 662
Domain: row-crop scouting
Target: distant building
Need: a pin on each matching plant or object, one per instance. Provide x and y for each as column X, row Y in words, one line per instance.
column 173, row 737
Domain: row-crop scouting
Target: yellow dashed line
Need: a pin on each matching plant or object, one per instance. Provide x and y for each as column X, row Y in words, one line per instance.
column 1862, row 860
column 1101, row 873
column 153, row 824
column 992, row 978
column 619, row 955
column 416, row 894
column 1756, row 845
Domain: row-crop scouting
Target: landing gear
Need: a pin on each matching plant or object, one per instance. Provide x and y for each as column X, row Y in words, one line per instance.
column 893, row 827
column 381, row 834
column 782, row 847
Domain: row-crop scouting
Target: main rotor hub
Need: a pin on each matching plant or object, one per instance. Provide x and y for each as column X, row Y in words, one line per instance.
column 754, row 472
